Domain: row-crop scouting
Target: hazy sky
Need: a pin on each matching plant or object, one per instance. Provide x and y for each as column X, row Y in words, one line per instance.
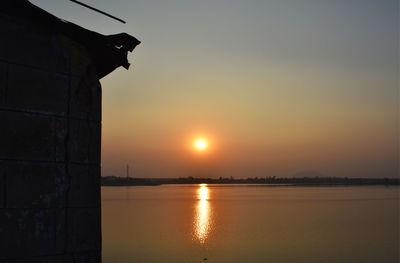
column 276, row 86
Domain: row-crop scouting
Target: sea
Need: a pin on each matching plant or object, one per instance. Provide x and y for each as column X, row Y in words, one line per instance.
column 250, row 223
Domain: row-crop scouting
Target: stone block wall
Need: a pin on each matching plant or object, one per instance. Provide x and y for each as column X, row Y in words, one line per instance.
column 50, row 144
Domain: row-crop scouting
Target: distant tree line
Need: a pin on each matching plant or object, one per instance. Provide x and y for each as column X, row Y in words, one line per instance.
column 271, row 180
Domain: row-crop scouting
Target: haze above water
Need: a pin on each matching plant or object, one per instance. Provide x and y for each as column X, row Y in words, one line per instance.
column 230, row 223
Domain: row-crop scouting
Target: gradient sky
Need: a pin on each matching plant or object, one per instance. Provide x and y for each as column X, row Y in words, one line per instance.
column 277, row 86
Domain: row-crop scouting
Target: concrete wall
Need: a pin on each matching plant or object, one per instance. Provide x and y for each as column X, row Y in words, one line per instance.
column 50, row 136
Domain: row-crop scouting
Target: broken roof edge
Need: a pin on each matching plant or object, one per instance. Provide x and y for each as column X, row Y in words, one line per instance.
column 108, row 52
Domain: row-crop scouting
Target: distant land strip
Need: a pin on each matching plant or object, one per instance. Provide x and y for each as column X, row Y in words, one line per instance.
column 268, row 181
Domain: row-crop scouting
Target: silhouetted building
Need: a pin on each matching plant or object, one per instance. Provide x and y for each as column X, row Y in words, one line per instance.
column 50, row 134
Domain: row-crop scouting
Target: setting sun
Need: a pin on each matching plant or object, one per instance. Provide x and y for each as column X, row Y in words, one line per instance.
column 200, row 144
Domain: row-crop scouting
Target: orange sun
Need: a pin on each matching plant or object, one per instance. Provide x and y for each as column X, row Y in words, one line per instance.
column 200, row 144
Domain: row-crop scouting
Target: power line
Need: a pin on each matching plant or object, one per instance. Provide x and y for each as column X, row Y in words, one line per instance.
column 99, row 11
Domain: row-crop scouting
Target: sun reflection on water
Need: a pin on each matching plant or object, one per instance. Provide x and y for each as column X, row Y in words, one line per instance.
column 202, row 221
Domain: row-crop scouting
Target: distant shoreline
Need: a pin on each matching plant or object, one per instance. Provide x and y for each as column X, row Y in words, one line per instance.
column 267, row 181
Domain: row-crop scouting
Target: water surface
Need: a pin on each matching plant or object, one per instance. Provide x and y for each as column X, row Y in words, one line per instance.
column 255, row 223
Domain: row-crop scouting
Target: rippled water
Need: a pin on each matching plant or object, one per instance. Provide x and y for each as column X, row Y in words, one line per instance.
column 236, row 223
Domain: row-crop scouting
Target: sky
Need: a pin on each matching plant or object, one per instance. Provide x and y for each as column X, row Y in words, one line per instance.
column 276, row 87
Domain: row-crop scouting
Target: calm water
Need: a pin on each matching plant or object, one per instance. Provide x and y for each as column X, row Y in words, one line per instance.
column 227, row 223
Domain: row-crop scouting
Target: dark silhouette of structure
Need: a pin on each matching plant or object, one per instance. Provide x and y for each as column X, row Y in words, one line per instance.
column 50, row 134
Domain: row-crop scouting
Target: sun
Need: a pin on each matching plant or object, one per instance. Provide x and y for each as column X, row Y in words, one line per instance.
column 200, row 144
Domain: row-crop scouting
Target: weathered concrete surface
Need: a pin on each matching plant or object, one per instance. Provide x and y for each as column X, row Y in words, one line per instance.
column 25, row 136
column 50, row 136
column 34, row 185
column 26, row 232
column 45, row 92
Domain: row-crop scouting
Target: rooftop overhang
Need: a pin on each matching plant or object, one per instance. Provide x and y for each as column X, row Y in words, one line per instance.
column 107, row 52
